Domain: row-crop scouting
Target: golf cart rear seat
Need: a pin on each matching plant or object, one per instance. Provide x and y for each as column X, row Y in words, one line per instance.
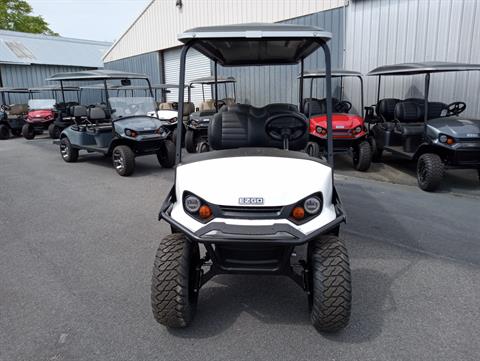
column 15, row 110
column 243, row 125
column 314, row 106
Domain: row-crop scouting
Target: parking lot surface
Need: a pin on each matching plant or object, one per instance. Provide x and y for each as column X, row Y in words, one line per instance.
column 77, row 245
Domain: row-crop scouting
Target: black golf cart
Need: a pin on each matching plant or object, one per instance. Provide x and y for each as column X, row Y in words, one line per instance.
column 12, row 116
column 119, row 128
column 46, row 112
column 257, row 202
column 196, row 137
column 433, row 134
column 349, row 131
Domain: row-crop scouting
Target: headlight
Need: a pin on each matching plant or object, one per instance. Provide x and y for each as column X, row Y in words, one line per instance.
column 192, row 204
column 130, row 133
column 321, row 130
column 446, row 139
column 357, row 130
column 173, row 120
column 312, row 205
column 193, row 123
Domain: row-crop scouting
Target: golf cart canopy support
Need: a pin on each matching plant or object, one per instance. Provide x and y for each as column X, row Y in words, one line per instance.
column 336, row 73
column 253, row 45
column 426, row 68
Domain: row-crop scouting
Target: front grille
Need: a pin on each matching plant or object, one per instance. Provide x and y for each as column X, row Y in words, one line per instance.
column 250, row 212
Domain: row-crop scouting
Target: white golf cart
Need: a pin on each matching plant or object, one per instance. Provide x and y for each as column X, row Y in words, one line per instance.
column 257, row 203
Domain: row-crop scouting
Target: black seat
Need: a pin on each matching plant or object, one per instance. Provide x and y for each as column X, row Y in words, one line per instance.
column 385, row 108
column 97, row 115
column 435, row 109
column 314, row 106
column 409, row 116
column 242, row 125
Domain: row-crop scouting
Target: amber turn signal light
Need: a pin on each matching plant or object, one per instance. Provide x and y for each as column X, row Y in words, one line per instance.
column 205, row 212
column 298, row 213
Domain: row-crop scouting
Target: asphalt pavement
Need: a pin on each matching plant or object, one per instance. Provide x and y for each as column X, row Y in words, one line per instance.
column 77, row 244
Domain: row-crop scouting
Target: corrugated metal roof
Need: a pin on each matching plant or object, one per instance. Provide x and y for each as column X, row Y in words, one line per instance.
column 24, row 48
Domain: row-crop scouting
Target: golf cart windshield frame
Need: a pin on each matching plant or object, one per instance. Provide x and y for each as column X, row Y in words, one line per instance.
column 425, row 68
column 102, row 75
column 336, row 73
column 207, row 41
column 9, row 90
column 210, row 80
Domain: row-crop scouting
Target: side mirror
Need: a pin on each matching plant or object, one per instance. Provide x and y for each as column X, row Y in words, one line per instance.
column 126, row 82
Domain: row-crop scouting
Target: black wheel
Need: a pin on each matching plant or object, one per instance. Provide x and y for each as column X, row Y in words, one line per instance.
column 190, row 144
column 16, row 132
column 123, row 160
column 68, row 153
column 313, row 149
column 376, row 151
column 28, row 131
column 362, row 156
column 203, row 147
column 331, row 295
column 430, row 171
column 166, row 157
column 54, row 131
column 174, row 291
column 4, row 131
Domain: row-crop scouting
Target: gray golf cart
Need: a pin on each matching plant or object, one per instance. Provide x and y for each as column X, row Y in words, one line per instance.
column 119, row 128
column 257, row 203
column 12, row 116
column 196, row 137
column 433, row 134
column 349, row 131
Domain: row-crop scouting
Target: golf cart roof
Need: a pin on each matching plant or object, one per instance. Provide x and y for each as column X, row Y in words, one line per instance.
column 54, row 88
column 131, row 87
column 211, row 80
column 256, row 43
column 423, row 68
column 98, row 74
column 336, row 73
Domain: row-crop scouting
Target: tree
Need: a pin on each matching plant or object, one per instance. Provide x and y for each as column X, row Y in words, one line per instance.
column 17, row 15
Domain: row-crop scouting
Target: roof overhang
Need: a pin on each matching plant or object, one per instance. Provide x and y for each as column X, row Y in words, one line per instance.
column 100, row 74
column 423, row 68
column 208, row 80
column 336, row 73
column 256, row 43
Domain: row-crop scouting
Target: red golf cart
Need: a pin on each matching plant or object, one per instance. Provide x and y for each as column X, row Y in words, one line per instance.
column 349, row 131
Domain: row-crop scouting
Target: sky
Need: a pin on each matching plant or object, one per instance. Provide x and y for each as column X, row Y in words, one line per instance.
column 103, row 20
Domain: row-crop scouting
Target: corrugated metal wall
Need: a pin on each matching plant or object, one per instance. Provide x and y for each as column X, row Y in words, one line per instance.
column 383, row 32
column 158, row 26
column 149, row 63
column 262, row 85
column 34, row 75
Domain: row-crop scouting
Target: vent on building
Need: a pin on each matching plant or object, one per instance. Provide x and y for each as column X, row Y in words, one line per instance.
column 20, row 50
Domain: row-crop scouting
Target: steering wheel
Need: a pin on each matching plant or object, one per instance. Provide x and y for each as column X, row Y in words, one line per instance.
column 455, row 108
column 220, row 103
column 286, row 127
column 175, row 105
column 4, row 107
column 343, row 107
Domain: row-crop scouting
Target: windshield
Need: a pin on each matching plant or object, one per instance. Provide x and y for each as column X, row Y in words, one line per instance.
column 39, row 104
column 128, row 106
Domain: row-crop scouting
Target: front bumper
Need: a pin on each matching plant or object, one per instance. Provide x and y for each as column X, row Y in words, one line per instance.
column 222, row 233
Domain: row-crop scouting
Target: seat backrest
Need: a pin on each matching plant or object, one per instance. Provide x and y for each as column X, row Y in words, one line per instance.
column 385, row 108
column 207, row 105
column 96, row 113
column 188, row 108
column 408, row 112
column 435, row 109
column 78, row 111
column 228, row 101
column 18, row 109
column 243, row 125
column 165, row 106
column 314, row 106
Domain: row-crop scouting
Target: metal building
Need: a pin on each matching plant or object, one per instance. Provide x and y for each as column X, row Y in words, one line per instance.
column 26, row 60
column 366, row 34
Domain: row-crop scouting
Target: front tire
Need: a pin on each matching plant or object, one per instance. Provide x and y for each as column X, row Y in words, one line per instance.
column 28, row 131
column 430, row 170
column 123, row 160
column 4, row 132
column 174, row 290
column 376, row 151
column 16, row 132
column 54, row 131
column 68, row 153
column 331, row 295
column 190, row 145
column 203, row 147
column 166, row 157
column 313, row 149
column 362, row 156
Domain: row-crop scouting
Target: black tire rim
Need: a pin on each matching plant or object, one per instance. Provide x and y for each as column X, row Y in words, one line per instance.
column 64, row 149
column 118, row 161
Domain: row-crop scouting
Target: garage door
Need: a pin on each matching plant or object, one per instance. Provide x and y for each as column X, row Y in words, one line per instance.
column 198, row 66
